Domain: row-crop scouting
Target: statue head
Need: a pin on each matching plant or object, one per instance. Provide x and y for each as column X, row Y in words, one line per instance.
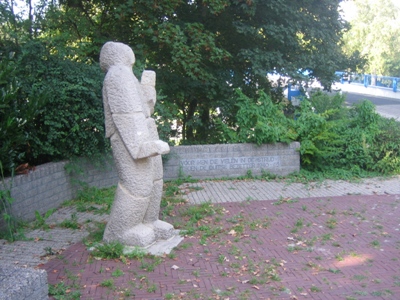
column 113, row 53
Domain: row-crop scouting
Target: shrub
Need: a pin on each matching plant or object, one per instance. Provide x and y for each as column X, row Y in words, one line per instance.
column 17, row 112
column 257, row 121
column 51, row 108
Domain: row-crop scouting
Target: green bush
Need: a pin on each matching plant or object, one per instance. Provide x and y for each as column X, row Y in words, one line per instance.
column 52, row 110
column 17, row 112
column 333, row 139
column 72, row 122
column 258, row 121
column 316, row 134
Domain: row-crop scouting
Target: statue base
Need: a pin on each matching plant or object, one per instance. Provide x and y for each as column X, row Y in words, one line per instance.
column 159, row 248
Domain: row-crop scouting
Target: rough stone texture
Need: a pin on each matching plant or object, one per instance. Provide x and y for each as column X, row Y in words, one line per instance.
column 231, row 160
column 136, row 148
column 22, row 283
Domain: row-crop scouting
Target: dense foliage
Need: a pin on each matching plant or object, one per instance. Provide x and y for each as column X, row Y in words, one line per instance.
column 211, row 59
column 331, row 135
column 51, row 108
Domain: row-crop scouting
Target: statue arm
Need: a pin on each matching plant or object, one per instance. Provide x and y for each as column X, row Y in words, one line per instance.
column 134, row 133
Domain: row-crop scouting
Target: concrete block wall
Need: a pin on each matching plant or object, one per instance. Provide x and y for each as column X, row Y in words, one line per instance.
column 23, row 283
column 49, row 185
column 231, row 160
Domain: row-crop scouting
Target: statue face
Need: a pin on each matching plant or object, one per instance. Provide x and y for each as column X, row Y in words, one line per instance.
column 113, row 54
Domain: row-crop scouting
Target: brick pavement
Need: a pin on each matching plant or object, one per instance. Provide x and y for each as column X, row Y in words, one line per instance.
column 297, row 247
column 316, row 248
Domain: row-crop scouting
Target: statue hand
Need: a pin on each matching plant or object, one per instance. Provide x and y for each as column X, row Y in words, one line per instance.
column 153, row 148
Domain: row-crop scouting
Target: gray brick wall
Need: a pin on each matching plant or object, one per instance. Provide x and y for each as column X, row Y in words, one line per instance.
column 49, row 185
column 22, row 283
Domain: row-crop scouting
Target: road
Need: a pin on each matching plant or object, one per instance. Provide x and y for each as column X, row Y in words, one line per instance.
column 352, row 98
column 387, row 107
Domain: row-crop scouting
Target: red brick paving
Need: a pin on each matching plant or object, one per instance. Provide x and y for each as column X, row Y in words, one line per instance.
column 296, row 257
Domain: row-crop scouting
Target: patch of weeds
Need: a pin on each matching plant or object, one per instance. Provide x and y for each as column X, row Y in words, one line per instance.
column 331, row 212
column 315, row 289
column 331, row 223
column 326, row 237
column 71, row 223
column 40, row 221
column 96, row 234
column 109, row 250
column 299, row 222
column 94, row 199
column 339, row 256
column 117, row 273
column 108, row 283
column 221, row 258
column 152, row 288
column 360, row 277
column 198, row 212
column 334, row 271
column 196, row 273
column 382, row 293
column 169, row 296
column 234, row 250
column 304, row 207
column 62, row 291
column 136, row 253
column 375, row 243
column 172, row 254
column 150, row 264
column 184, row 246
column 294, row 248
column 49, row 251
column 361, row 293
column 283, row 200
column 236, row 219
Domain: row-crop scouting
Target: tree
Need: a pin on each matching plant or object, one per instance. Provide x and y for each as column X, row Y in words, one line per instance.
column 375, row 33
column 202, row 50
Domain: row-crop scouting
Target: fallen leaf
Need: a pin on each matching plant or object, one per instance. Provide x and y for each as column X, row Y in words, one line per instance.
column 175, row 267
column 256, row 287
column 232, row 232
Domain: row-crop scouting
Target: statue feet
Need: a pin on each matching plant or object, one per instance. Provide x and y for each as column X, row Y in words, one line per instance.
column 139, row 235
column 162, row 230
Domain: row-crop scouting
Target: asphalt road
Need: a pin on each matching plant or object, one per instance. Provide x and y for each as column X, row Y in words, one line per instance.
column 386, row 107
column 352, row 98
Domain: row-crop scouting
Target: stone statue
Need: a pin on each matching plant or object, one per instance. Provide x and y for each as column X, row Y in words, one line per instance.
column 136, row 148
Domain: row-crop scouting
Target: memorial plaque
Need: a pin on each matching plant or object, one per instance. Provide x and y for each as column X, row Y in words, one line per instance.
column 231, row 160
column 230, row 163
